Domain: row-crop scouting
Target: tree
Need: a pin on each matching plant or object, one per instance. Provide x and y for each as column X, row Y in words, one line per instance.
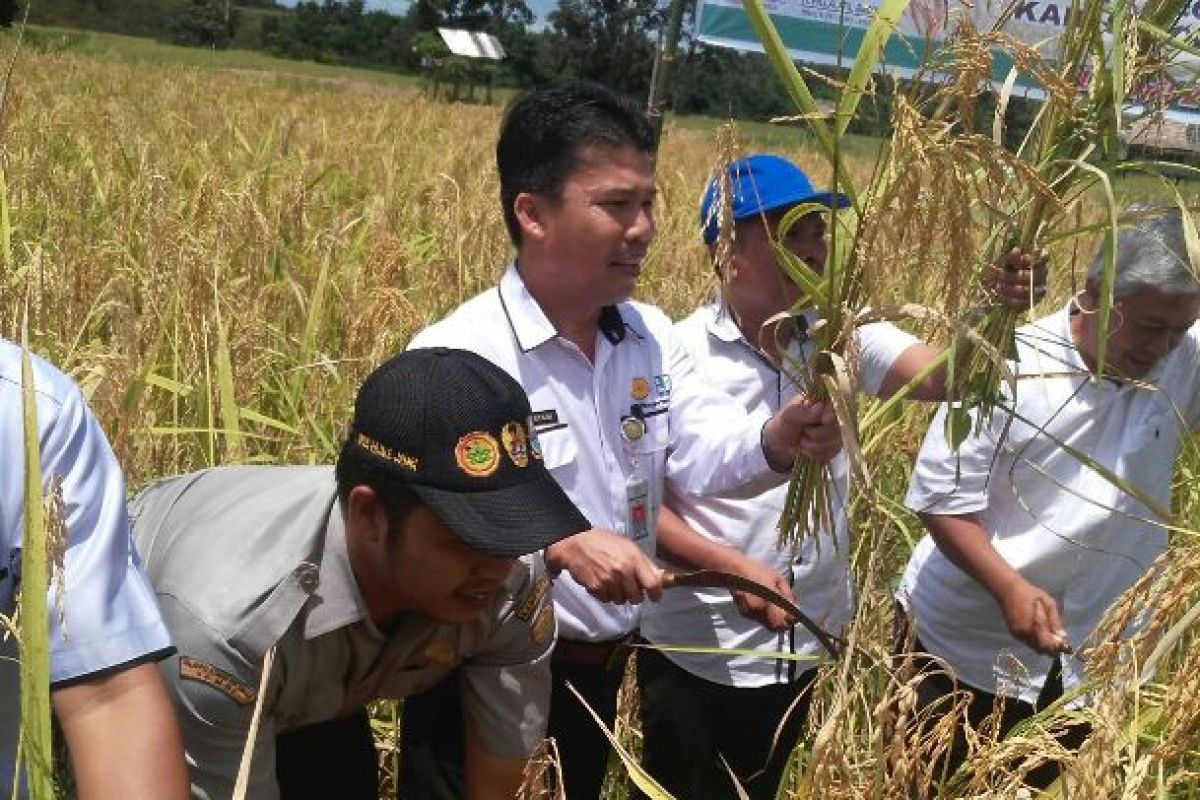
column 530, row 56
column 8, row 12
column 476, row 15
column 608, row 41
column 203, row 23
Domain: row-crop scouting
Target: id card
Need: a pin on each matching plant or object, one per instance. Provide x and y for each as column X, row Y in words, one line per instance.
column 637, row 495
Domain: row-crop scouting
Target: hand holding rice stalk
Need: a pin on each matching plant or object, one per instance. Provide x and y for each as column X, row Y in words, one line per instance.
column 1072, row 146
column 1055, row 168
column 835, row 291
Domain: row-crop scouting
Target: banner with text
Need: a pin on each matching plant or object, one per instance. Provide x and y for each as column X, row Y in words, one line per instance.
column 831, row 31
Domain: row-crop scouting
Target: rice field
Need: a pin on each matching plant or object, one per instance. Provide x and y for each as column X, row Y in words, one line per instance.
column 218, row 254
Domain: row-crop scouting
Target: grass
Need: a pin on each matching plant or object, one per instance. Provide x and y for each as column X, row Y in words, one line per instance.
column 138, row 50
column 219, row 246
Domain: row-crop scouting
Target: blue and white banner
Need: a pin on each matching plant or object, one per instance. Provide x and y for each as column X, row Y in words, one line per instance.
column 830, row 32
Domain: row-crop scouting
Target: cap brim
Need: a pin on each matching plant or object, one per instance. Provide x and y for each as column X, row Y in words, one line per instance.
column 508, row 522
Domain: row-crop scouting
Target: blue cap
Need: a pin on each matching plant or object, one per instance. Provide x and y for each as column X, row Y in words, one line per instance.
column 763, row 183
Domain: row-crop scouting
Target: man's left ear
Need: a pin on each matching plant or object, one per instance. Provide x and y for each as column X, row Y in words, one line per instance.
column 365, row 514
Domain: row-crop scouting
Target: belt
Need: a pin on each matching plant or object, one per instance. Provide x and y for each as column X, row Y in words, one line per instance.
column 608, row 654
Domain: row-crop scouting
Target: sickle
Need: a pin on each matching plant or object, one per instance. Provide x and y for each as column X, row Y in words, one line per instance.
column 715, row 579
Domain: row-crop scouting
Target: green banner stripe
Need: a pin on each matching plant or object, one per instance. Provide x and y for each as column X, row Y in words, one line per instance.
column 813, row 40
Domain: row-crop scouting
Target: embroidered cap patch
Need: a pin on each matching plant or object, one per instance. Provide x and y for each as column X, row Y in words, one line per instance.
column 516, row 443
column 477, row 454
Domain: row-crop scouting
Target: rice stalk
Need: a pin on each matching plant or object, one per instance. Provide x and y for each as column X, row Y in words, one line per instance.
column 1073, row 130
column 36, row 747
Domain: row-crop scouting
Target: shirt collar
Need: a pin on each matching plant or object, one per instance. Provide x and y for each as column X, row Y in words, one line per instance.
column 529, row 322
column 337, row 602
column 721, row 325
column 1051, row 337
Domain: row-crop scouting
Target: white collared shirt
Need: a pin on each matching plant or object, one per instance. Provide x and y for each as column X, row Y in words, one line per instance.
column 695, row 437
column 109, row 614
column 747, row 518
column 1061, row 524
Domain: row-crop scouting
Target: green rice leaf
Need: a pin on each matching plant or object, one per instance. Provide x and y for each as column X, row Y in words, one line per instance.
column 36, row 744
column 229, row 408
column 642, row 779
column 1161, row 36
column 730, row 651
column 793, row 81
column 172, row 386
column 250, row 415
column 887, row 17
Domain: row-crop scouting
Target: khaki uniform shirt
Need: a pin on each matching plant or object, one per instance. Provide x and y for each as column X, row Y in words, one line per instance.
column 246, row 558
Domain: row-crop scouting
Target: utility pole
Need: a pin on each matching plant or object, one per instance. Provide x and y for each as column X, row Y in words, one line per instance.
column 661, row 76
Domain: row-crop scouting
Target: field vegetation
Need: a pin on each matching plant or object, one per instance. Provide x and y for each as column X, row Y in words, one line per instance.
column 219, row 254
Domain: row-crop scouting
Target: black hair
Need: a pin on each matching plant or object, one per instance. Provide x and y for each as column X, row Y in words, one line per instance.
column 355, row 469
column 544, row 129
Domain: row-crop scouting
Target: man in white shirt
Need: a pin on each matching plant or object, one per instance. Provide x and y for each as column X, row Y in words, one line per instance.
column 105, row 688
column 730, row 707
column 1028, row 546
column 619, row 409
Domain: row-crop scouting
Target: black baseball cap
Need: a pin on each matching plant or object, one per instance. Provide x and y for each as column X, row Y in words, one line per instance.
column 456, row 429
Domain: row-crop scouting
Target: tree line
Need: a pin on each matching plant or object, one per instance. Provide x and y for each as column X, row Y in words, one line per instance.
column 610, row 41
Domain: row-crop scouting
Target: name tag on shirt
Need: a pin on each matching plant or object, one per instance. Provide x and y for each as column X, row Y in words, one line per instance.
column 637, row 493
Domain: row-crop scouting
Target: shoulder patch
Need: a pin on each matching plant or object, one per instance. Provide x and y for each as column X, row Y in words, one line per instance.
column 536, row 595
column 194, row 670
column 440, row 653
column 543, row 627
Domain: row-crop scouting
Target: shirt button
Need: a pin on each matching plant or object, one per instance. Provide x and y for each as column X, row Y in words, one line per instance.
column 308, row 576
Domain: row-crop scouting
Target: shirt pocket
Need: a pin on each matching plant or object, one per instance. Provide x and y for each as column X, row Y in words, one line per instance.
column 1147, row 459
column 656, row 437
column 559, row 451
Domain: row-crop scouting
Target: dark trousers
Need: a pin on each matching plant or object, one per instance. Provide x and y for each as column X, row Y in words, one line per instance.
column 935, row 699
column 582, row 746
column 329, row 759
column 431, row 743
column 689, row 724
column 432, row 736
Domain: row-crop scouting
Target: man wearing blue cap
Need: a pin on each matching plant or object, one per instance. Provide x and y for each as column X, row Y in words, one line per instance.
column 729, row 706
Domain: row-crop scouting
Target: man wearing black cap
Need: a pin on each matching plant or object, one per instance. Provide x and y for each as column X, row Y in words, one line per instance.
column 297, row 594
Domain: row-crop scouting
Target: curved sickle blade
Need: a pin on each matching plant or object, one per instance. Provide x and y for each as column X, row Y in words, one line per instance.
column 715, row 579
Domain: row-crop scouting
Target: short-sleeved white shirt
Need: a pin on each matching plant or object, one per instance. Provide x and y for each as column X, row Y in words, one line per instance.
column 747, row 518
column 696, row 437
column 111, row 618
column 1049, row 515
